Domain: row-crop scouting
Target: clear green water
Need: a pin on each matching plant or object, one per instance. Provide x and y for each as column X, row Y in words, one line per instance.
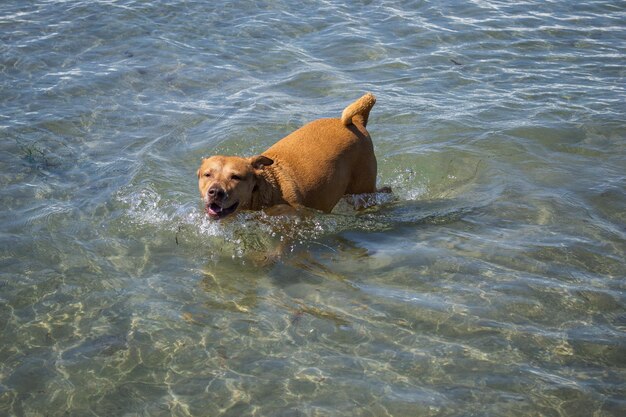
column 491, row 284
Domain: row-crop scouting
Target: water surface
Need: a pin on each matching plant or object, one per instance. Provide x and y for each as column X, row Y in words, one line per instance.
column 490, row 284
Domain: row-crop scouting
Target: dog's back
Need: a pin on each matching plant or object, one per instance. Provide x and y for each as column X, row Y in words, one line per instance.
column 327, row 158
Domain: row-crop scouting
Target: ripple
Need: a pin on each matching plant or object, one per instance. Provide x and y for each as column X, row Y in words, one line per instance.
column 489, row 282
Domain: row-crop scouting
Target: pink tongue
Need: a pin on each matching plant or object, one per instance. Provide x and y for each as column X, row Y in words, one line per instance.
column 214, row 208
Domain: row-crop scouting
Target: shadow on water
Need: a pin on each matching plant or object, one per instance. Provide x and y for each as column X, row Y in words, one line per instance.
column 261, row 242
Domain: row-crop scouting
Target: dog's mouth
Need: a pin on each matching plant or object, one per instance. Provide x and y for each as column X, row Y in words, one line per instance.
column 217, row 211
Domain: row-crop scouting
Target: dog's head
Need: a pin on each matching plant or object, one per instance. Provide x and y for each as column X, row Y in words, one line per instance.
column 226, row 183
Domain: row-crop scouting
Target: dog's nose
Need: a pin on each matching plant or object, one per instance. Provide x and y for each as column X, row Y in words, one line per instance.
column 216, row 191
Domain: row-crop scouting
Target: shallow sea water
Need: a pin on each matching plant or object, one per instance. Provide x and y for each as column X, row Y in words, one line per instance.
column 490, row 284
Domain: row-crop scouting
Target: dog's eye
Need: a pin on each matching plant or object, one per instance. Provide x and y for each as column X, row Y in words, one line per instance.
column 207, row 174
column 235, row 177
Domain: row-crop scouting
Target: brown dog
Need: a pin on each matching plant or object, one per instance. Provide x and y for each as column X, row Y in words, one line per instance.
column 312, row 167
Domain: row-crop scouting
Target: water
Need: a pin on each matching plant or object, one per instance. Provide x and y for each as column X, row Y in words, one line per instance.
column 490, row 284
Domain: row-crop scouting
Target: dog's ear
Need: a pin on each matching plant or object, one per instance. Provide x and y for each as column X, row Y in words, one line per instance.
column 260, row 161
column 203, row 159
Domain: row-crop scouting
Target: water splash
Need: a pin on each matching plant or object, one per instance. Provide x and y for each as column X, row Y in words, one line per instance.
column 250, row 231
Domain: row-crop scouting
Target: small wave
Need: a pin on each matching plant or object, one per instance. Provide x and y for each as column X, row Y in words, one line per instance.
column 146, row 207
column 248, row 231
column 409, row 200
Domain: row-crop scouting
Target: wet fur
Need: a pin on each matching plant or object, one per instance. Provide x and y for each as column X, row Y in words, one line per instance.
column 312, row 167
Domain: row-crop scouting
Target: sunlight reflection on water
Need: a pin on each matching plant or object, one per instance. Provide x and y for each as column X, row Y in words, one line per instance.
column 491, row 282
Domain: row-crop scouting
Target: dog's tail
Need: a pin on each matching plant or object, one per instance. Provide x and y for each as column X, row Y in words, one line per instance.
column 358, row 111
